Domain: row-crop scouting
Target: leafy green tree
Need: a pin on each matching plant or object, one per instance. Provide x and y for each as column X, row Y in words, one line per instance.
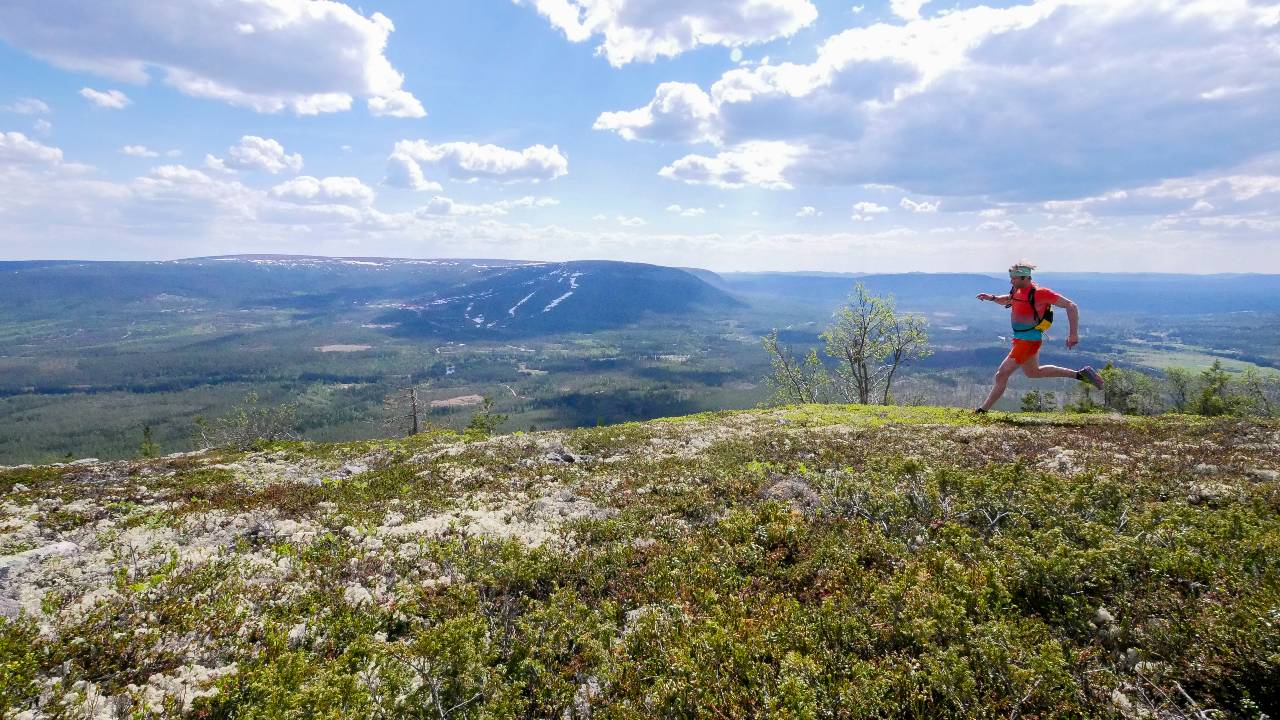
column 870, row 341
column 1179, row 384
column 857, row 341
column 794, row 380
column 1214, row 399
column 1036, row 401
column 148, row 448
column 485, row 422
column 1259, row 393
column 249, row 424
column 1084, row 403
column 908, row 340
column 1129, row 391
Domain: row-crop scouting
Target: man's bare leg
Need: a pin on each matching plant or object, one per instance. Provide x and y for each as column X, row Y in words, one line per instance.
column 1006, row 369
column 1033, row 369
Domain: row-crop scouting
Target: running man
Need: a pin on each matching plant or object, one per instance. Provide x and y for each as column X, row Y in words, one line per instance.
column 1031, row 314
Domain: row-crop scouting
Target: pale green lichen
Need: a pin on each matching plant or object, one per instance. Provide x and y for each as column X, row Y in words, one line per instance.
column 800, row 561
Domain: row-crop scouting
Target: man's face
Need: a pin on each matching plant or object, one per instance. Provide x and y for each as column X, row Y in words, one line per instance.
column 1019, row 281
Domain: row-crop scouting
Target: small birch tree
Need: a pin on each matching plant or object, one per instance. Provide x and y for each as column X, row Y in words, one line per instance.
column 869, row 342
column 907, row 340
column 1180, row 385
column 794, row 380
column 248, row 424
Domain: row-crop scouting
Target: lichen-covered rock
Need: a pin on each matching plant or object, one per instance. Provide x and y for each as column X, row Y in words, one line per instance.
column 793, row 491
column 356, row 595
column 630, row 567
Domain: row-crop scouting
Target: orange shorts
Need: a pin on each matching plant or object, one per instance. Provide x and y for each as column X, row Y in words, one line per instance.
column 1023, row 350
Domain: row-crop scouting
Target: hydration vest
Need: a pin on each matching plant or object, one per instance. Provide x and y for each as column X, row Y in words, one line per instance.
column 1043, row 322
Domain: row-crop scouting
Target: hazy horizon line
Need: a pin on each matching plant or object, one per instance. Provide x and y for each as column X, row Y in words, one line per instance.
column 820, row 273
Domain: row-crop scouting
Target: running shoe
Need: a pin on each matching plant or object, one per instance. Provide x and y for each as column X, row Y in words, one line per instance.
column 1091, row 376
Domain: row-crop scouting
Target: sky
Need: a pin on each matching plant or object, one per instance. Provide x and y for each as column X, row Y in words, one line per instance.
column 733, row 135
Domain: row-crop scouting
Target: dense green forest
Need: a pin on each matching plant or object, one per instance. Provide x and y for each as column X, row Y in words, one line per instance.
column 93, row 353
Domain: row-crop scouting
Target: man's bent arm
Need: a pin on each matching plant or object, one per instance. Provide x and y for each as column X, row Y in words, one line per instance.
column 1073, row 315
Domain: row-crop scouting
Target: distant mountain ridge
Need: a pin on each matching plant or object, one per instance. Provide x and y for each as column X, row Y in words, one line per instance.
column 577, row 296
column 497, row 295
column 420, row 296
column 1137, row 293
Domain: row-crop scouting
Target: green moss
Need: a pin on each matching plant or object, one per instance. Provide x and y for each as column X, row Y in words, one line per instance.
column 21, row 658
column 35, row 479
column 912, row 566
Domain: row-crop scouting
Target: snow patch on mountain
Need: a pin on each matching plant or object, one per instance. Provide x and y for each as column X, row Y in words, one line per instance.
column 523, row 300
column 557, row 301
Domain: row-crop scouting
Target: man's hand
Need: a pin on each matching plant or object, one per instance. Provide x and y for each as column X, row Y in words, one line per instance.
column 1072, row 340
column 986, row 296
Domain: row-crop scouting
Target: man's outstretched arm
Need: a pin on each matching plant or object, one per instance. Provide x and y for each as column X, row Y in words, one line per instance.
column 1002, row 299
column 1073, row 319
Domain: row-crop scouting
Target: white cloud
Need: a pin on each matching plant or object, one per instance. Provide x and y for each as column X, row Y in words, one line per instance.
column 919, row 207
column 18, row 149
column 529, row 201
column 644, row 30
column 471, row 161
column 1015, row 103
column 1003, row 227
column 173, row 153
column 599, row 216
column 42, row 126
column 759, row 163
column 1211, row 222
column 140, row 151
column 398, row 103
column 1267, row 225
column 176, row 193
column 808, row 211
column 439, row 205
column 404, row 172
column 178, row 212
column 907, row 9
column 256, row 153
column 866, row 211
column 1245, row 191
column 1237, row 187
column 308, row 56
column 111, row 99
column 686, row 212
column 337, row 190
column 27, row 106
column 679, row 112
